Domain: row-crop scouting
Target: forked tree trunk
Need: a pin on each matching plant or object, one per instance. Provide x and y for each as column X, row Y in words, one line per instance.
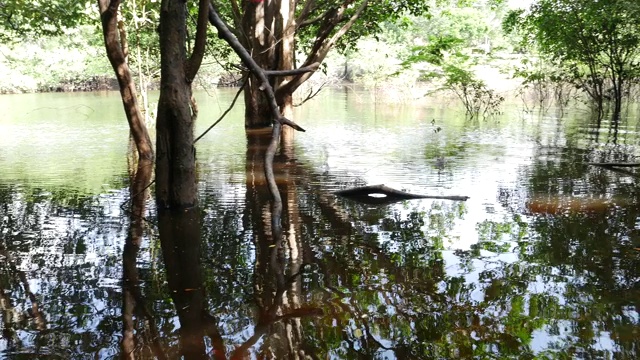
column 116, row 52
column 269, row 39
column 259, row 27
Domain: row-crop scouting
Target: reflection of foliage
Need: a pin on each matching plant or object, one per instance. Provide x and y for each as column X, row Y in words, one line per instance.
column 453, row 150
column 386, row 278
column 585, row 256
column 499, row 237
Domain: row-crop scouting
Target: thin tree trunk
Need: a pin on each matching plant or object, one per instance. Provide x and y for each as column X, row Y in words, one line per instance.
column 115, row 45
column 133, row 303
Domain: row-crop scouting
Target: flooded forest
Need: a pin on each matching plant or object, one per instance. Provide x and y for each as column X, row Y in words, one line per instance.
column 401, row 179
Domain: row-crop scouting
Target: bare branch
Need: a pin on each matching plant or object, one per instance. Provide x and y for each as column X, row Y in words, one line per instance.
column 308, row 7
column 311, row 68
column 233, row 102
column 311, row 94
column 276, row 205
column 315, row 20
column 306, row 69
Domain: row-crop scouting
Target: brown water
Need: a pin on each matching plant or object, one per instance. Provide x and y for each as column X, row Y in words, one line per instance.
column 540, row 262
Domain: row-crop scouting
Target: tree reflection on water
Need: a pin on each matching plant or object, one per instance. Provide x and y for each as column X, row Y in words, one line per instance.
column 343, row 280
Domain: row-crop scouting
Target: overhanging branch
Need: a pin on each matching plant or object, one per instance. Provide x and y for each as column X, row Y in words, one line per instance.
column 305, row 69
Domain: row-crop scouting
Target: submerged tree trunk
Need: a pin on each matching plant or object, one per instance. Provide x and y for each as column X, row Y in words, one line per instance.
column 176, row 187
column 176, row 158
column 618, row 83
column 181, row 250
column 285, row 48
column 261, row 36
column 269, row 29
column 116, row 46
column 133, row 301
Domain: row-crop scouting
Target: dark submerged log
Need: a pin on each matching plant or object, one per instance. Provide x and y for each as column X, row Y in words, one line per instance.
column 614, row 164
column 381, row 194
column 622, row 168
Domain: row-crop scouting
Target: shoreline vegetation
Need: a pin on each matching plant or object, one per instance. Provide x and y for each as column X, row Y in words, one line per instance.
column 475, row 53
column 76, row 62
column 396, row 88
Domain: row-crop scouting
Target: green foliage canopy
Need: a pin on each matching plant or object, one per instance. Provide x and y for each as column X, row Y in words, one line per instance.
column 41, row 18
column 581, row 31
column 596, row 42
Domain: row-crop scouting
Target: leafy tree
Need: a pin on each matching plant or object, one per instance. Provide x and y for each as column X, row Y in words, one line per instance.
column 596, row 42
column 40, row 18
column 454, row 65
column 274, row 32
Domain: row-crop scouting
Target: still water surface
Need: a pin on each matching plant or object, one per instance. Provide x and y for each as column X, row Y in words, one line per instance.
column 540, row 262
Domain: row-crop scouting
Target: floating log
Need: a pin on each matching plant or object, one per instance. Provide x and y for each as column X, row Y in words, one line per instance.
column 618, row 167
column 381, row 194
column 614, row 164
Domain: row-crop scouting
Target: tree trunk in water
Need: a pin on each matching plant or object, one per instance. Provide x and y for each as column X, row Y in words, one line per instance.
column 269, row 39
column 259, row 26
column 288, row 133
column 175, row 160
column 257, row 113
column 286, row 61
column 285, row 49
column 116, row 52
column 133, row 299
column 275, row 283
column 176, row 187
column 617, row 93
